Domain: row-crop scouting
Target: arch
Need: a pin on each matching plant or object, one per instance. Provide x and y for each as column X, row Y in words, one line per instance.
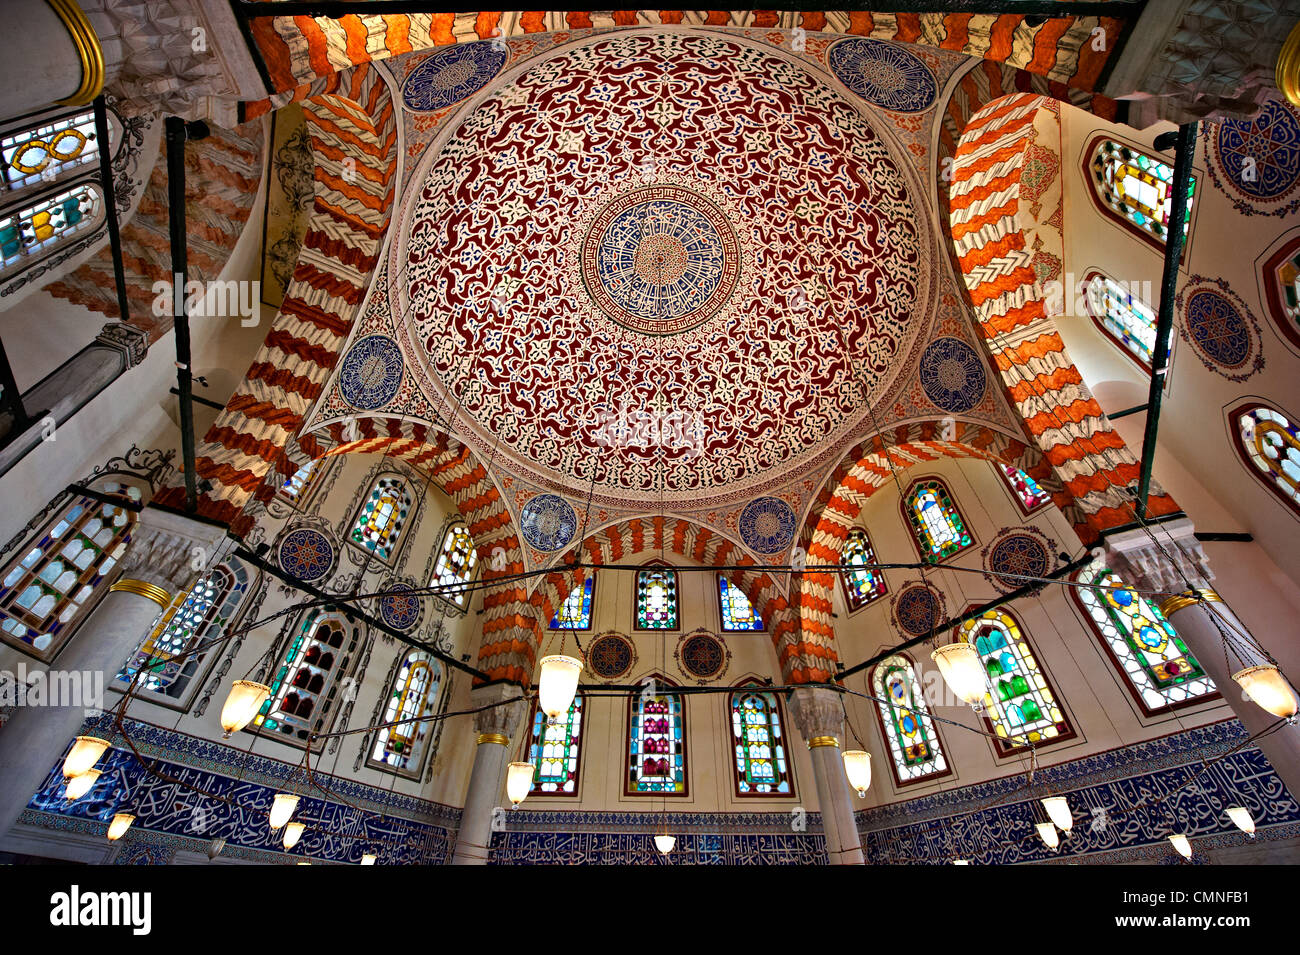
column 555, row 749
column 1268, row 442
column 414, row 690
column 1280, row 277
column 655, row 750
column 382, row 515
column 930, row 511
column 761, row 764
column 1132, row 188
column 911, row 737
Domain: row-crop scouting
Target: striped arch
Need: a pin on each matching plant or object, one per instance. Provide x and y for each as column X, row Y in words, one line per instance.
column 354, row 140
column 988, row 224
column 300, row 50
column 871, row 466
column 799, row 662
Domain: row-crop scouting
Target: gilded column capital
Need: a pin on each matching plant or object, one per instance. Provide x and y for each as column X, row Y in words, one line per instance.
column 1169, row 563
column 498, row 724
column 819, row 714
column 170, row 550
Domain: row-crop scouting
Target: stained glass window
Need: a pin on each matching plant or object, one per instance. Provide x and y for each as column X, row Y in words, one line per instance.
column 758, row 739
column 34, row 230
column 657, row 745
column 656, row 599
column 861, row 584
column 51, row 584
column 734, row 608
column 1145, row 645
column 1282, row 289
column 41, row 153
column 1270, row 443
column 383, row 514
column 412, row 694
column 1136, row 188
column 455, row 563
column 576, row 612
column 913, row 743
column 1029, row 495
column 936, row 524
column 1122, row 316
column 1020, row 707
column 553, row 751
column 173, row 651
column 294, row 488
column 306, row 681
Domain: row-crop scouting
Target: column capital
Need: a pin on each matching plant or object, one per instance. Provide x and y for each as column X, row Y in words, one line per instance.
column 1167, row 564
column 170, row 550
column 131, row 342
column 818, row 713
column 498, row 724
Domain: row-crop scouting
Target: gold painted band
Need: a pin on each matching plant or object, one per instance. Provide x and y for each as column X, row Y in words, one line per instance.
column 1287, row 73
column 823, row 741
column 1171, row 605
column 128, row 585
column 492, row 738
column 89, row 52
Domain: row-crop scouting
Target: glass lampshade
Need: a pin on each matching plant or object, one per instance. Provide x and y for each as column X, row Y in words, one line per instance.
column 242, row 703
column 369, row 858
column 557, row 684
column 282, row 808
column 84, row 754
column 665, row 843
column 519, row 780
column 1266, row 686
column 960, row 665
column 1179, row 842
column 1058, row 808
column 117, row 828
column 292, row 833
column 1242, row 819
column 78, row 786
column 857, row 766
column 1047, row 831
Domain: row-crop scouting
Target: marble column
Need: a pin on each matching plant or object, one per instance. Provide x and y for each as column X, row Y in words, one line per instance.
column 159, row 561
column 819, row 715
column 56, row 55
column 1168, row 564
column 493, row 730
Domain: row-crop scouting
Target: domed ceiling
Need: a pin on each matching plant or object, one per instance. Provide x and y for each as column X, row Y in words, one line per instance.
column 679, row 267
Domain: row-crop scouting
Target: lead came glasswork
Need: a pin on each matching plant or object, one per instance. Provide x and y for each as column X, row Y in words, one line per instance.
column 1026, row 489
column 455, row 564
column 1124, row 316
column 1272, row 445
column 657, row 748
column 383, row 514
column 656, row 599
column 913, row 743
column 413, row 694
column 735, row 610
column 1136, row 188
column 305, row 682
column 937, row 526
column 576, row 612
column 554, row 750
column 861, row 586
column 759, row 742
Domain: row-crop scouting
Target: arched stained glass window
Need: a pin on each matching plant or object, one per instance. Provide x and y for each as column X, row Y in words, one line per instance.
column 914, row 745
column 296, row 486
column 936, row 524
column 39, row 154
column 1270, row 444
column 656, row 599
column 1158, row 665
column 412, row 695
column 576, row 612
column 758, row 740
column 1122, row 317
column 455, row 564
column 382, row 516
column 32, row 231
column 1028, row 494
column 1020, row 707
column 554, row 749
column 1135, row 188
column 861, row 584
column 306, row 680
column 172, row 653
column 54, row 580
column 1281, row 277
column 734, row 608
column 656, row 760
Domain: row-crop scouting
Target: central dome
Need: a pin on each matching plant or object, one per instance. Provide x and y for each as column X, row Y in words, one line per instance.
column 673, row 265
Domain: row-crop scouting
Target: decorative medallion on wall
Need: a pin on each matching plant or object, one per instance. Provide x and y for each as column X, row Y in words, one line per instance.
column 767, row 525
column 611, row 655
column 1021, row 551
column 884, row 74
column 918, row 609
column 1220, row 328
column 703, row 655
column 306, row 554
column 371, row 372
column 660, row 259
column 452, row 74
column 548, row 522
column 952, row 375
column 401, row 611
column 1258, row 160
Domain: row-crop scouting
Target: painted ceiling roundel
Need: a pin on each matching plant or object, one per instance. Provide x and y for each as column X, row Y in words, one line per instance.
column 674, row 266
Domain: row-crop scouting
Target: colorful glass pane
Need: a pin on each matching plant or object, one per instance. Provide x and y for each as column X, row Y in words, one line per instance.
column 1272, row 445
column 1123, row 315
column 1149, row 651
column 939, row 530
column 861, row 585
column 383, row 514
column 305, row 680
column 758, row 739
column 576, row 612
column 42, row 153
column 553, row 751
column 656, row 599
column 1025, row 488
column 1020, row 705
column 657, row 748
column 455, row 565
column 1137, row 187
column 913, row 742
column 734, row 608
column 413, row 695
column 294, row 487
column 38, row 228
